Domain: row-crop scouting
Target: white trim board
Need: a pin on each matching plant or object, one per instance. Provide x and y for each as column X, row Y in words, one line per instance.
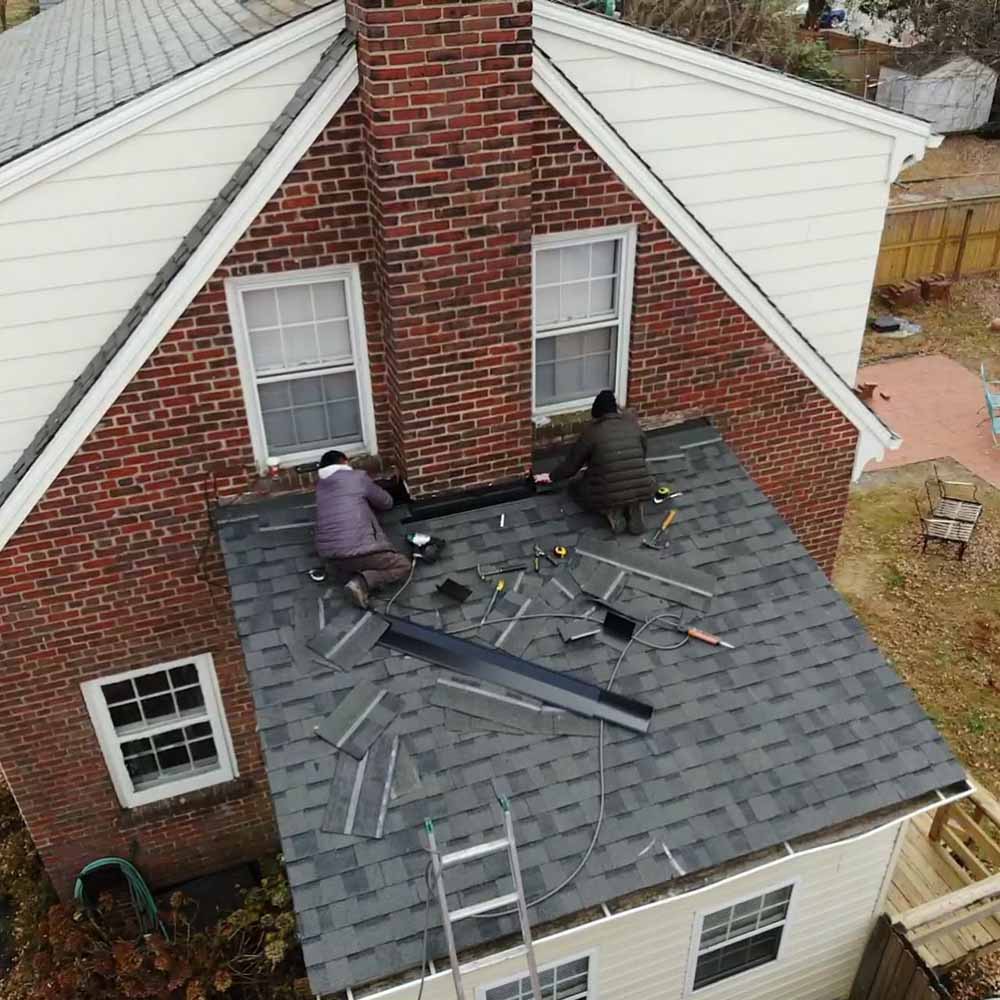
column 176, row 297
column 192, row 87
column 616, row 36
column 574, row 108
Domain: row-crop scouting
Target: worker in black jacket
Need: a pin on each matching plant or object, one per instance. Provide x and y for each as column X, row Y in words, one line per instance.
column 612, row 450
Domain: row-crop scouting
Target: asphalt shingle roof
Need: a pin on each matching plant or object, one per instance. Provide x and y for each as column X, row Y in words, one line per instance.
column 802, row 726
column 82, row 58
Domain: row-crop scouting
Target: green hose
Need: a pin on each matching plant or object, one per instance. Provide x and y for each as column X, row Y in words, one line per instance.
column 142, row 899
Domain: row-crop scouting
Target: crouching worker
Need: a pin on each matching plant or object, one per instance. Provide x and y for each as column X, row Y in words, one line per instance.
column 348, row 533
column 616, row 481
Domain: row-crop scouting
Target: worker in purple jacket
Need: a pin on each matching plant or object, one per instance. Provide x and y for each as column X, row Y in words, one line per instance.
column 348, row 533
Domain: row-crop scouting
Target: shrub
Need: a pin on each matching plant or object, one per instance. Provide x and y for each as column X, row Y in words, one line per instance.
column 63, row 952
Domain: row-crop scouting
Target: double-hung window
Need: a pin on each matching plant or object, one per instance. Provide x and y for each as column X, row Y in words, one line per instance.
column 162, row 729
column 583, row 296
column 566, row 981
column 740, row 937
column 303, row 356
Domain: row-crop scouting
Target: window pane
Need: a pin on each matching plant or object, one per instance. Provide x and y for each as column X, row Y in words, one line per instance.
column 547, row 267
column 718, row 919
column 279, row 431
column 330, row 299
column 345, row 421
column 261, row 308
column 575, row 262
column 198, row 731
column 184, row 675
column 306, row 391
column 545, row 350
column 341, row 386
column 547, row 306
column 603, row 259
column 575, row 301
column 274, row 395
column 171, row 738
column 334, row 339
column 779, row 896
column 545, row 384
column 310, row 425
column 190, row 699
column 300, row 346
column 203, row 752
column 174, row 758
column 152, row 683
column 738, row 957
column 750, row 906
column 125, row 715
column 117, row 692
column 295, row 304
column 602, row 296
column 266, row 349
column 158, row 707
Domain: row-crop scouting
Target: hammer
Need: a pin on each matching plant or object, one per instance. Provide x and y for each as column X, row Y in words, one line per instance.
column 664, row 524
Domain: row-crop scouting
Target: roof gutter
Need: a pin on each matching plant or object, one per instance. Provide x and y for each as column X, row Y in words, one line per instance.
column 788, row 854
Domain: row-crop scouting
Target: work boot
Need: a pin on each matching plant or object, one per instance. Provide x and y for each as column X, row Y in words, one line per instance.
column 357, row 591
column 616, row 519
column 636, row 517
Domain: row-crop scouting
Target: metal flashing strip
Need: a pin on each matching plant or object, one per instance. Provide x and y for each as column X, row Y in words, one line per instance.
column 360, row 791
column 359, row 719
column 666, row 570
column 497, row 667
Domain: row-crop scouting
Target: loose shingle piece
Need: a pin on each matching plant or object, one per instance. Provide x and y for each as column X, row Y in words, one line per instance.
column 348, row 648
column 360, row 790
column 359, row 719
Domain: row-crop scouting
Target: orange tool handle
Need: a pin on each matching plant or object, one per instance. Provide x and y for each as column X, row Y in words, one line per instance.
column 696, row 633
column 668, row 520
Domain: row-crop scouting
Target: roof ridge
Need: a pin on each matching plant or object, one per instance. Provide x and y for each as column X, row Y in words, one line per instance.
column 328, row 61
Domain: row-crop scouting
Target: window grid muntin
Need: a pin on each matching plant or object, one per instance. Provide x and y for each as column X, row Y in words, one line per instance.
column 553, row 981
column 615, row 276
column 331, row 440
column 766, row 932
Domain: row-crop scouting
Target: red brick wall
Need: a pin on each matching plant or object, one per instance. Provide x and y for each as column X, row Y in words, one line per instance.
column 694, row 353
column 449, row 160
column 103, row 575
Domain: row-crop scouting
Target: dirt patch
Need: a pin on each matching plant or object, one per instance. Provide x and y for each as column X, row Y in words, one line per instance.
column 959, row 329
column 935, row 618
column 962, row 166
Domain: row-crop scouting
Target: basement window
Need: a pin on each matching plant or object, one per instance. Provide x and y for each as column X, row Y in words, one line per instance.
column 582, row 305
column 162, row 729
column 303, row 356
column 564, row 981
column 740, row 937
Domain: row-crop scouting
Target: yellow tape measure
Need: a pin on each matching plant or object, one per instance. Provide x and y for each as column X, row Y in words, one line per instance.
column 560, row 552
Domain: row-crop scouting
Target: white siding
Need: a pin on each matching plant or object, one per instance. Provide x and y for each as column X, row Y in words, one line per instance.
column 78, row 248
column 644, row 954
column 797, row 199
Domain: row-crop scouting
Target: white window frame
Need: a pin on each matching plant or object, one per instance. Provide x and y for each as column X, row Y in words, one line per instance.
column 590, row 956
column 350, row 274
column 110, row 742
column 621, row 317
column 699, row 921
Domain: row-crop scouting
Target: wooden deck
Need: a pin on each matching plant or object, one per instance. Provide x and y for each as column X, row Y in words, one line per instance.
column 930, row 898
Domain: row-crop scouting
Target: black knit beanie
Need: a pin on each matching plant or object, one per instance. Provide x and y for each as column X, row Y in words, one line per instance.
column 604, row 403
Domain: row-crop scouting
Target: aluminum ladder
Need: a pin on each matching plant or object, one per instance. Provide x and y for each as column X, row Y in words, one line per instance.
column 440, row 862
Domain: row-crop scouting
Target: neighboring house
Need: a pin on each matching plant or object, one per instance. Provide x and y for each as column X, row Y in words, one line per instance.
column 954, row 94
column 239, row 231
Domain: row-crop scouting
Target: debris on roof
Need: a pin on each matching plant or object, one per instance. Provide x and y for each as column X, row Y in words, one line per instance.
column 801, row 727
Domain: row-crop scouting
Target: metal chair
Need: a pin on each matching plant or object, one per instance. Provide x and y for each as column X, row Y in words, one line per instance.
column 991, row 390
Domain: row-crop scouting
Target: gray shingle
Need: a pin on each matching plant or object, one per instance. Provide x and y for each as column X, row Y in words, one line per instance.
column 801, row 726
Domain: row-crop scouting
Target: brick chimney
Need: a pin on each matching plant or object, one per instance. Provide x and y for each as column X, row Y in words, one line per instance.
column 445, row 93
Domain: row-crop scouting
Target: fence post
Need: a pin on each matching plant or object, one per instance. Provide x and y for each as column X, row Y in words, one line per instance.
column 961, row 244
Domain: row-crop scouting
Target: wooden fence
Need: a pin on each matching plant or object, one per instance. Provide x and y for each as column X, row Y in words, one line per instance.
column 957, row 237
column 891, row 970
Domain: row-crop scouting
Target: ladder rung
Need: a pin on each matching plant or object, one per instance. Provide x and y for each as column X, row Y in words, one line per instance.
column 469, row 853
column 483, row 907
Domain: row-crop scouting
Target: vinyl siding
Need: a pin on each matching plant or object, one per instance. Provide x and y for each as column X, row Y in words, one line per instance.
column 796, row 198
column 645, row 954
column 78, row 248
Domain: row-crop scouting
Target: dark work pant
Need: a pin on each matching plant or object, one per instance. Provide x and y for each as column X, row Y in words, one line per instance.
column 377, row 568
